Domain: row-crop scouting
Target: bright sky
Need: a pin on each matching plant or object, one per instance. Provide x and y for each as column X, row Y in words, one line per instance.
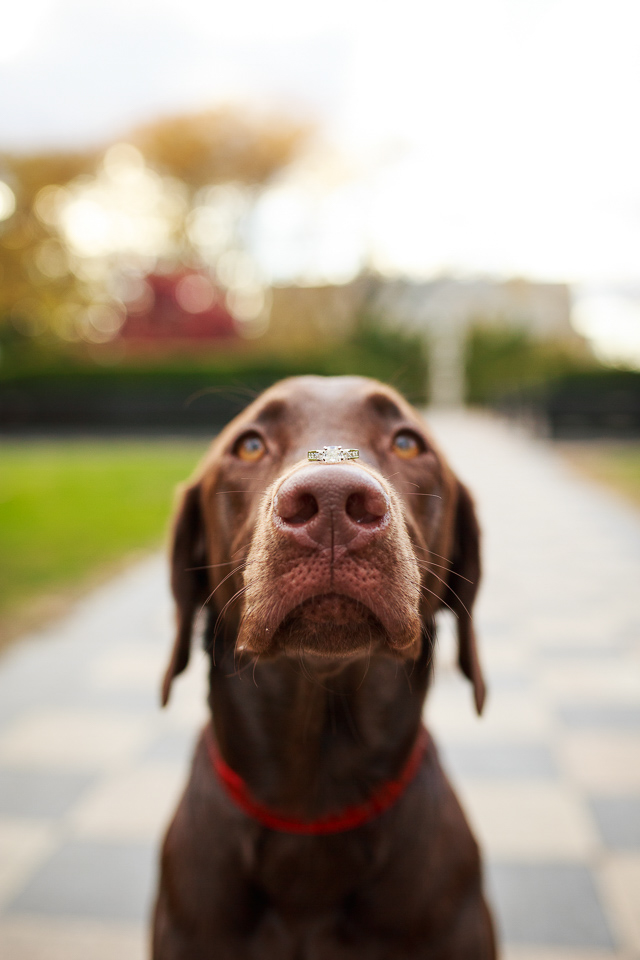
column 496, row 137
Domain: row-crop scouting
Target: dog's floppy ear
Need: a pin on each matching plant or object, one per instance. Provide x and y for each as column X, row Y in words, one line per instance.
column 462, row 585
column 189, row 580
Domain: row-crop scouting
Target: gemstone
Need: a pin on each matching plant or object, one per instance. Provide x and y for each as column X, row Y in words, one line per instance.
column 333, row 454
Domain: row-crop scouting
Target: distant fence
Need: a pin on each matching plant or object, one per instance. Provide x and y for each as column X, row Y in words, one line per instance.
column 602, row 403
column 595, row 404
column 198, row 393
column 120, row 404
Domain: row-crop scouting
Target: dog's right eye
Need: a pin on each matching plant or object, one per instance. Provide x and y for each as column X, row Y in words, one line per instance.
column 250, row 448
column 407, row 445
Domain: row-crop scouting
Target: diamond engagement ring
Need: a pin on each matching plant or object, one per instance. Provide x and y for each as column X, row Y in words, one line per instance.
column 332, row 454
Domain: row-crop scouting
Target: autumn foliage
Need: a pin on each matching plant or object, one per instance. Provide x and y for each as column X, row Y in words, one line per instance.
column 45, row 283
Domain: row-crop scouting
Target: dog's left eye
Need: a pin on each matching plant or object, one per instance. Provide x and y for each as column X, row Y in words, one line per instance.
column 250, row 448
column 407, row 445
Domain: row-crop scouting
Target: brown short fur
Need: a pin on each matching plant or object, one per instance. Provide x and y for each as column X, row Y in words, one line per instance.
column 320, row 630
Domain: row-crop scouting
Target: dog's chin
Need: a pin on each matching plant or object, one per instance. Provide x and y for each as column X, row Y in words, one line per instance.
column 330, row 626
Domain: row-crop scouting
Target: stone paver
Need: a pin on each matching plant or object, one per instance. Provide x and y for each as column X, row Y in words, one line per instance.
column 90, row 767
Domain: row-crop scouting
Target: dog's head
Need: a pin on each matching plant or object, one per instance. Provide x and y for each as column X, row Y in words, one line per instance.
column 327, row 560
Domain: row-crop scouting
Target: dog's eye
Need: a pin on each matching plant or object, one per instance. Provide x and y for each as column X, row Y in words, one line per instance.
column 407, row 445
column 250, row 448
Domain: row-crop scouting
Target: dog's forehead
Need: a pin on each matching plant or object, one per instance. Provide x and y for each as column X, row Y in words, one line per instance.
column 318, row 400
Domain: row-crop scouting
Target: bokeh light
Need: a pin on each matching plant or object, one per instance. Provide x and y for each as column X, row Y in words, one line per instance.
column 7, row 201
column 195, row 293
column 127, row 208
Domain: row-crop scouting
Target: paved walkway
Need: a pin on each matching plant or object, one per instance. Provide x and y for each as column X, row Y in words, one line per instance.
column 90, row 768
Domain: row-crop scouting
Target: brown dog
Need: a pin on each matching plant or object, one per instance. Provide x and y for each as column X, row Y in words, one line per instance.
column 317, row 823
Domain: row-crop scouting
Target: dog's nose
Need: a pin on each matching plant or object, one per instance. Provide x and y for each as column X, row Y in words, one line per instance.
column 331, row 504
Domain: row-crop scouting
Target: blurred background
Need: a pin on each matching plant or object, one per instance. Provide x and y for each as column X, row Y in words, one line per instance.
column 197, row 199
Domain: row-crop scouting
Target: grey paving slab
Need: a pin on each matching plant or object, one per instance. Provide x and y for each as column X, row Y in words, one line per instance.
column 625, row 716
column 499, row 760
column 555, row 905
column 618, row 820
column 40, row 793
column 560, row 651
column 175, row 745
column 90, row 767
column 509, row 679
column 106, row 881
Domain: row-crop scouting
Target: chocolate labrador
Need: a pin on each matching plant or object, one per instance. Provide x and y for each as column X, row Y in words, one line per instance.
column 322, row 533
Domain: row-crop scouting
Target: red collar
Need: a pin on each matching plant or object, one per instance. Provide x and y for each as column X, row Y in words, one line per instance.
column 346, row 819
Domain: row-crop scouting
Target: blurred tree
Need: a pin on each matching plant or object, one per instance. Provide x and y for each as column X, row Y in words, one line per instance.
column 37, row 281
column 503, row 361
column 220, row 146
column 32, row 172
column 224, row 158
column 47, row 280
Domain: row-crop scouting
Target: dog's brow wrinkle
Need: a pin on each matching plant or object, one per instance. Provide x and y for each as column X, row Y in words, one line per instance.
column 274, row 410
column 383, row 405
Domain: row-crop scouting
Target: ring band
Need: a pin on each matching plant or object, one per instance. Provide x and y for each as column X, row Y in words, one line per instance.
column 331, row 454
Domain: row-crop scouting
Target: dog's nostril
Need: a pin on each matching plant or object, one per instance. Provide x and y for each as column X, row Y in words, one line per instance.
column 359, row 510
column 304, row 508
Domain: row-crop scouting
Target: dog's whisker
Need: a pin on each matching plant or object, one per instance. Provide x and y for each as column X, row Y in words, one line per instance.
column 219, row 493
column 403, row 480
column 440, row 599
column 240, row 650
column 427, row 565
column 451, row 590
column 430, row 634
column 368, row 660
column 433, row 553
column 253, row 672
column 452, row 573
column 211, row 566
column 236, row 595
column 243, row 546
column 223, row 581
column 315, row 680
column 237, row 670
column 300, row 658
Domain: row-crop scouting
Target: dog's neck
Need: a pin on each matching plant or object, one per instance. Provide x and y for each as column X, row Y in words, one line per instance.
column 307, row 736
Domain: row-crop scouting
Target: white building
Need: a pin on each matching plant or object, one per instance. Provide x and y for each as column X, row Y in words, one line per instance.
column 444, row 309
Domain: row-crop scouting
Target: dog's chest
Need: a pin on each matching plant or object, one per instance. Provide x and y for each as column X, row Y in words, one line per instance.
column 329, row 936
column 312, row 874
column 307, row 887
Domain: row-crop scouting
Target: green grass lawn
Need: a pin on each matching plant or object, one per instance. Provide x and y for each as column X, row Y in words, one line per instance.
column 615, row 464
column 72, row 509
